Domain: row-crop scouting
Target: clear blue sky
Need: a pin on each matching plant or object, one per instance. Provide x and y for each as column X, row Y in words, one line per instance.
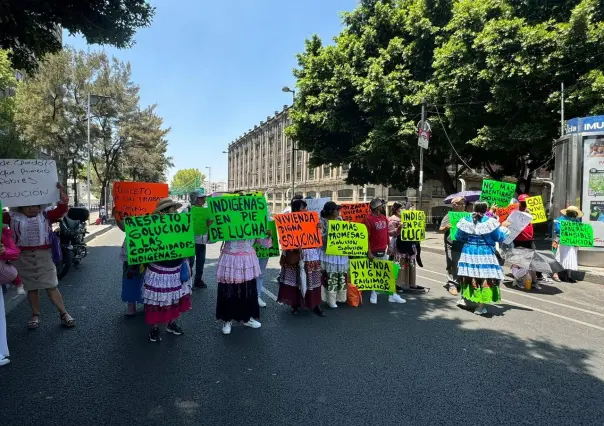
column 216, row 68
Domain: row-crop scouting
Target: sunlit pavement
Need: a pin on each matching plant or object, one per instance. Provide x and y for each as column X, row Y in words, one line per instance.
column 536, row 359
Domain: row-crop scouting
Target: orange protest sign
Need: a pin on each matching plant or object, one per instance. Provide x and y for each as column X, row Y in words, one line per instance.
column 355, row 212
column 137, row 198
column 298, row 230
column 504, row 212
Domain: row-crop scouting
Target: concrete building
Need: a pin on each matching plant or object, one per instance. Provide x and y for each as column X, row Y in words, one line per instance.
column 261, row 160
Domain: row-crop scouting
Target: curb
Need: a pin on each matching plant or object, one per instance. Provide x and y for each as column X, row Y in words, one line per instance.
column 578, row 275
column 12, row 299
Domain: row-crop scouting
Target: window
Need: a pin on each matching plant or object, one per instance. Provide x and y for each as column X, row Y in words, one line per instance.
column 345, row 194
column 299, row 174
column 269, row 196
column 326, row 171
column 345, row 167
column 370, row 192
column 438, row 190
column 311, row 174
column 312, row 194
column 278, row 195
column 298, row 193
column 396, row 193
column 326, row 194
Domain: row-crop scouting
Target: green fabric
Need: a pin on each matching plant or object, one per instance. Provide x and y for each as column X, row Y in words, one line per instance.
column 336, row 281
column 485, row 294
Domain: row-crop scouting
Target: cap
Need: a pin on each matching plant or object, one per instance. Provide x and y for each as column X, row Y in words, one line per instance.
column 522, row 198
column 375, row 203
column 331, row 206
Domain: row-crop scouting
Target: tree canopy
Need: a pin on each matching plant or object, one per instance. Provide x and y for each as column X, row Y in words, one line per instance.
column 31, row 29
column 186, row 180
column 490, row 72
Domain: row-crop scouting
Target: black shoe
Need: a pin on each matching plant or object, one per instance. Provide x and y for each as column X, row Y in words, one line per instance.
column 295, row 311
column 154, row 335
column 174, row 329
column 199, row 283
column 571, row 280
column 317, row 310
column 400, row 289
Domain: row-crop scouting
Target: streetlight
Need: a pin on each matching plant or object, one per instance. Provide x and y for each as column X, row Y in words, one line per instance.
column 97, row 98
column 293, row 92
column 209, row 179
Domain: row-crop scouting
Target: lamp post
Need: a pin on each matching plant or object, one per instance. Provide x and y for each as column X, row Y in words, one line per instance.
column 209, row 180
column 293, row 168
column 90, row 98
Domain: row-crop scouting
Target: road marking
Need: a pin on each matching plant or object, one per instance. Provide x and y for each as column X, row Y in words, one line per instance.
column 269, row 294
column 541, row 310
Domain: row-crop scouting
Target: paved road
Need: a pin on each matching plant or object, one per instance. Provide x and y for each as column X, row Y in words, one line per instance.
column 538, row 360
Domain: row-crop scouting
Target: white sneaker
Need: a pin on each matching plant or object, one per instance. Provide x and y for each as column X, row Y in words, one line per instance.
column 333, row 305
column 261, row 303
column 226, row 328
column 373, row 298
column 395, row 298
column 252, row 323
column 482, row 311
column 462, row 302
column 4, row 361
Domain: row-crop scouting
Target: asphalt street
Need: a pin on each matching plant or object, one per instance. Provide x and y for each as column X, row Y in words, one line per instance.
column 538, row 359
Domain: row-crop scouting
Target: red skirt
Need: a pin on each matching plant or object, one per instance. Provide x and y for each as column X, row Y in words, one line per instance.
column 289, row 285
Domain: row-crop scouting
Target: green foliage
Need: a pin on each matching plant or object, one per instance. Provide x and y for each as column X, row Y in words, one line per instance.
column 187, row 180
column 31, row 29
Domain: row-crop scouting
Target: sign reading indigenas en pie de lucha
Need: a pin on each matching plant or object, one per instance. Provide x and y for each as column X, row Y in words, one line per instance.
column 238, row 218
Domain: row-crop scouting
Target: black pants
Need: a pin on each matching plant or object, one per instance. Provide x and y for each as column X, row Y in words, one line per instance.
column 199, row 260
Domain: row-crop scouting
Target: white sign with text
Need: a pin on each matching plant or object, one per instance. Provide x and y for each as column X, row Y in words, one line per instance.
column 316, row 204
column 28, row 182
column 518, row 221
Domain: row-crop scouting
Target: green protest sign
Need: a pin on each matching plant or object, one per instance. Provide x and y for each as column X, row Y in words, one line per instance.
column 273, row 251
column 576, row 234
column 498, row 193
column 413, row 225
column 154, row 238
column 378, row 275
column 200, row 216
column 347, row 239
column 238, row 218
column 454, row 218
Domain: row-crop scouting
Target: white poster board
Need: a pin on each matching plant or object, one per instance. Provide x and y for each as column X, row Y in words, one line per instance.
column 28, row 182
column 316, row 204
column 518, row 221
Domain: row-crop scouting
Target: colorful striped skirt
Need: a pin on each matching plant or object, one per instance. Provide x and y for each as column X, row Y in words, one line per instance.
column 165, row 296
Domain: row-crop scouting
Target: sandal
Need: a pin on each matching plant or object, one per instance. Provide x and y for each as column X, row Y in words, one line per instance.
column 34, row 321
column 67, row 320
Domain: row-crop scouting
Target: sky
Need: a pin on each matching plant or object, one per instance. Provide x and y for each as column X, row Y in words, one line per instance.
column 216, row 68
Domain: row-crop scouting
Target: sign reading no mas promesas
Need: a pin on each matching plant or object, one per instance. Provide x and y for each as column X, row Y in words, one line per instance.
column 28, row 182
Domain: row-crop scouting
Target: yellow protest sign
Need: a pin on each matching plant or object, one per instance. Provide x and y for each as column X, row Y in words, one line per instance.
column 413, row 225
column 347, row 239
column 535, row 206
column 378, row 275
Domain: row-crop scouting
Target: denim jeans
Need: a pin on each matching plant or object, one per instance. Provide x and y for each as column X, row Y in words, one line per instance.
column 260, row 279
column 199, row 260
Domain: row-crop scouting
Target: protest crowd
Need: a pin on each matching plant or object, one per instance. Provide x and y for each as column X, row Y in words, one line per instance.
column 329, row 254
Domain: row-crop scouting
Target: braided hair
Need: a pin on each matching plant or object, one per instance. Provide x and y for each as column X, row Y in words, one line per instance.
column 480, row 209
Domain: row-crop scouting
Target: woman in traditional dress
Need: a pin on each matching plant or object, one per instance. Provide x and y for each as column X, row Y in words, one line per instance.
column 335, row 268
column 166, row 286
column 291, row 290
column 32, row 232
column 406, row 253
column 132, row 279
column 237, row 271
column 567, row 255
column 478, row 269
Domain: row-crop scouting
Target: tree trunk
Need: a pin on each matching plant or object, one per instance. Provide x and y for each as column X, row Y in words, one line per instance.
column 443, row 176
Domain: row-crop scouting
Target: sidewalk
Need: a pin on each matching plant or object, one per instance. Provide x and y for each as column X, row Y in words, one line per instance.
column 434, row 243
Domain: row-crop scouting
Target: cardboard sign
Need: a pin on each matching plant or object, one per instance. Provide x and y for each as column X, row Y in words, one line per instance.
column 263, row 252
column 518, row 221
column 200, row 216
column 378, row 275
column 535, row 206
column 347, row 239
column 316, row 204
column 299, row 230
column 238, row 218
column 137, row 198
column 576, row 234
column 498, row 193
column 454, row 218
column 413, row 225
column 504, row 212
column 355, row 212
column 153, row 238
column 28, row 182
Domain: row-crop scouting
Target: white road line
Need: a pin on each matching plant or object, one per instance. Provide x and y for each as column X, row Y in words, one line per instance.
column 516, row 293
column 269, row 294
column 541, row 310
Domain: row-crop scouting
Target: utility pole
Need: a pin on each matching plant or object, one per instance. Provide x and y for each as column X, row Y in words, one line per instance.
column 89, row 150
column 421, row 156
column 562, row 111
column 209, row 180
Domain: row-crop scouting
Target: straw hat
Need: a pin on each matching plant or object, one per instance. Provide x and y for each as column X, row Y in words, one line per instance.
column 165, row 204
column 572, row 209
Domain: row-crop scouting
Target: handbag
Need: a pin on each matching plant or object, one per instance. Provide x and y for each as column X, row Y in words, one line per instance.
column 185, row 274
column 500, row 259
column 55, row 247
column 11, row 251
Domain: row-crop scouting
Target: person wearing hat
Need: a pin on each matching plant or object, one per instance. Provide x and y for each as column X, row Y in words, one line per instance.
column 452, row 248
column 567, row 255
column 335, row 268
column 379, row 240
column 198, row 199
column 526, row 240
column 165, row 294
column 288, row 209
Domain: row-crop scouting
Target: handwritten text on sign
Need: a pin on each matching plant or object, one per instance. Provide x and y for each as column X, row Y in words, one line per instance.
column 137, row 198
column 413, row 225
column 238, row 218
column 375, row 275
column 535, row 206
column 355, row 212
column 576, row 234
column 316, row 204
column 454, row 218
column 273, row 251
column 298, row 230
column 154, row 238
column 347, row 239
column 518, row 221
column 28, row 182
column 498, row 193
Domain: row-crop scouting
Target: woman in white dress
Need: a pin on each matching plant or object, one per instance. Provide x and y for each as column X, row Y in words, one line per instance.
column 567, row 255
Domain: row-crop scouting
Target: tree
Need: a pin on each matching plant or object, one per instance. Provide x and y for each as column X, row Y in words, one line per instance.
column 31, row 29
column 186, row 180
